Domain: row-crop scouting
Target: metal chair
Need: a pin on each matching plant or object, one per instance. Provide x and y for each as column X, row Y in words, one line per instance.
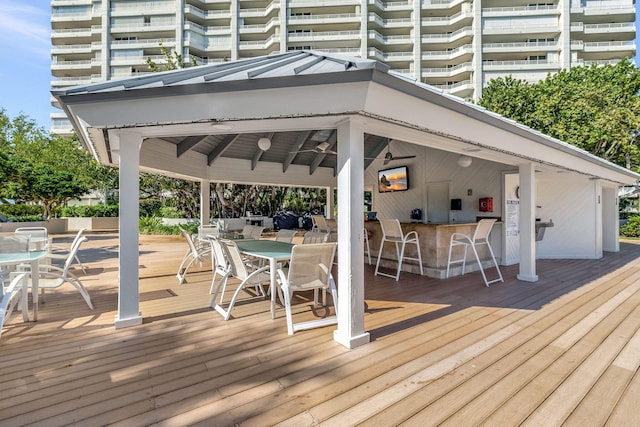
column 219, row 263
column 367, row 248
column 197, row 251
column 309, row 269
column 52, row 277
column 392, row 233
column 63, row 256
column 315, row 237
column 238, row 269
column 321, row 225
column 285, row 235
column 11, row 296
column 480, row 237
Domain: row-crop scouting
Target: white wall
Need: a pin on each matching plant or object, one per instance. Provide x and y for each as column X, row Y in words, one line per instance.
column 571, row 202
column 483, row 178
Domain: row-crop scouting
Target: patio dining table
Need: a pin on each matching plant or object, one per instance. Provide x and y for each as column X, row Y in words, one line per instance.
column 33, row 259
column 271, row 251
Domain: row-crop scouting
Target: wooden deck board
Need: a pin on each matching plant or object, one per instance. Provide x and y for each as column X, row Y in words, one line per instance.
column 443, row 351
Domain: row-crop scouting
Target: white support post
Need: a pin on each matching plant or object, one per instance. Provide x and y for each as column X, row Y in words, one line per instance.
column 205, row 202
column 128, row 279
column 329, row 205
column 527, row 175
column 350, row 332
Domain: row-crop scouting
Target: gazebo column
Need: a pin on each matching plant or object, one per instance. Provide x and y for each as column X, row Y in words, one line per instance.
column 205, row 202
column 350, row 332
column 128, row 278
column 527, row 173
column 329, row 205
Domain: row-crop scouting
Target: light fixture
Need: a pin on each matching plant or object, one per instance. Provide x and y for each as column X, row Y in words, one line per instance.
column 264, row 143
column 464, row 161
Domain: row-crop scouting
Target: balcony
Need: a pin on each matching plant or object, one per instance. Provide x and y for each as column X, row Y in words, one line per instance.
column 519, row 47
column 438, row 21
column 259, row 44
column 207, row 30
column 206, row 14
column 390, row 23
column 258, row 12
column 167, row 42
column 525, row 64
column 375, row 53
column 440, row 4
column 447, row 37
column 520, row 11
column 320, row 36
column 71, row 65
column 390, row 40
column 447, row 54
column 70, row 48
column 621, row 46
column 392, row 5
column 626, row 27
column 259, row 28
column 521, row 29
column 465, row 67
column 329, row 18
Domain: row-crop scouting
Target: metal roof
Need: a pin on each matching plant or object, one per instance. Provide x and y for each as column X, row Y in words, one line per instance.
column 284, row 70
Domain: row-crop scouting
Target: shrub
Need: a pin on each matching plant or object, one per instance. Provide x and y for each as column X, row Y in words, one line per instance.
column 154, row 225
column 17, row 212
column 632, row 227
column 150, row 207
column 90, row 211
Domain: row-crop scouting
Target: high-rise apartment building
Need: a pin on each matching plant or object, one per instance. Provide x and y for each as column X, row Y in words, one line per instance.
column 456, row 45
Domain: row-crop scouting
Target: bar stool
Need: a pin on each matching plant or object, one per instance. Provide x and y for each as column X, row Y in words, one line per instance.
column 480, row 237
column 392, row 232
column 367, row 249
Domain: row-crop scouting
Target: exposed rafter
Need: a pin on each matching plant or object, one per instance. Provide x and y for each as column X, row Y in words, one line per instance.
column 297, row 146
column 333, row 138
column 377, row 149
column 188, row 143
column 258, row 154
column 221, row 147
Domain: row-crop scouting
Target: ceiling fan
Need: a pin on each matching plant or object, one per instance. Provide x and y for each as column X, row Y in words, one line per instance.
column 322, row 148
column 388, row 157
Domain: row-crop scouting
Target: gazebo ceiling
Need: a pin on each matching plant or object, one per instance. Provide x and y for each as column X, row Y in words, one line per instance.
column 287, row 148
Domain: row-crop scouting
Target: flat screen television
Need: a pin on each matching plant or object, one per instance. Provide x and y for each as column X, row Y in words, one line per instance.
column 393, row 179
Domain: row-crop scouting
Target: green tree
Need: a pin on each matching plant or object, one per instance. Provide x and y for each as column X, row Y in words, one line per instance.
column 40, row 168
column 596, row 108
column 174, row 60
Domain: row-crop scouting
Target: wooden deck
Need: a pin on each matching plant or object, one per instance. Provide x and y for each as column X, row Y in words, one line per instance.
column 562, row 351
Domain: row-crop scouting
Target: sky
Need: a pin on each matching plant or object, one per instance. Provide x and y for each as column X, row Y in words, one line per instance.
column 25, row 42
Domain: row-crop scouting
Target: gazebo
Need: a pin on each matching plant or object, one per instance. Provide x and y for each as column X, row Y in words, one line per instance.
column 246, row 121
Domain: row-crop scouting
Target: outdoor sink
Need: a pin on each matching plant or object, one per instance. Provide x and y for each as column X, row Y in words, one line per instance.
column 540, row 229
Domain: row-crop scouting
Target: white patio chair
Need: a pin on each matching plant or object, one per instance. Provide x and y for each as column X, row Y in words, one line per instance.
column 12, row 244
column 238, row 269
column 197, row 251
column 39, row 236
column 315, row 237
column 392, row 233
column 285, row 235
column 480, row 237
column 11, row 296
column 321, row 225
column 367, row 248
column 52, row 277
column 309, row 269
column 63, row 256
column 219, row 263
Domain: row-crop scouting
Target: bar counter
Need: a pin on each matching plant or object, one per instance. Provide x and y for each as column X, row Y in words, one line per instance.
column 434, row 247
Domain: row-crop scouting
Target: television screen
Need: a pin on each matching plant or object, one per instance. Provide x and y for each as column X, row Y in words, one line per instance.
column 393, row 179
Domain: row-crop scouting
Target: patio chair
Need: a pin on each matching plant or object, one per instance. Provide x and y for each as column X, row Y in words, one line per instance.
column 367, row 248
column 480, row 237
column 315, row 237
column 52, row 277
column 39, row 236
column 10, row 244
column 197, row 251
column 320, row 224
column 309, row 269
column 286, row 236
column 63, row 256
column 11, row 296
column 219, row 263
column 392, row 233
column 239, row 270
